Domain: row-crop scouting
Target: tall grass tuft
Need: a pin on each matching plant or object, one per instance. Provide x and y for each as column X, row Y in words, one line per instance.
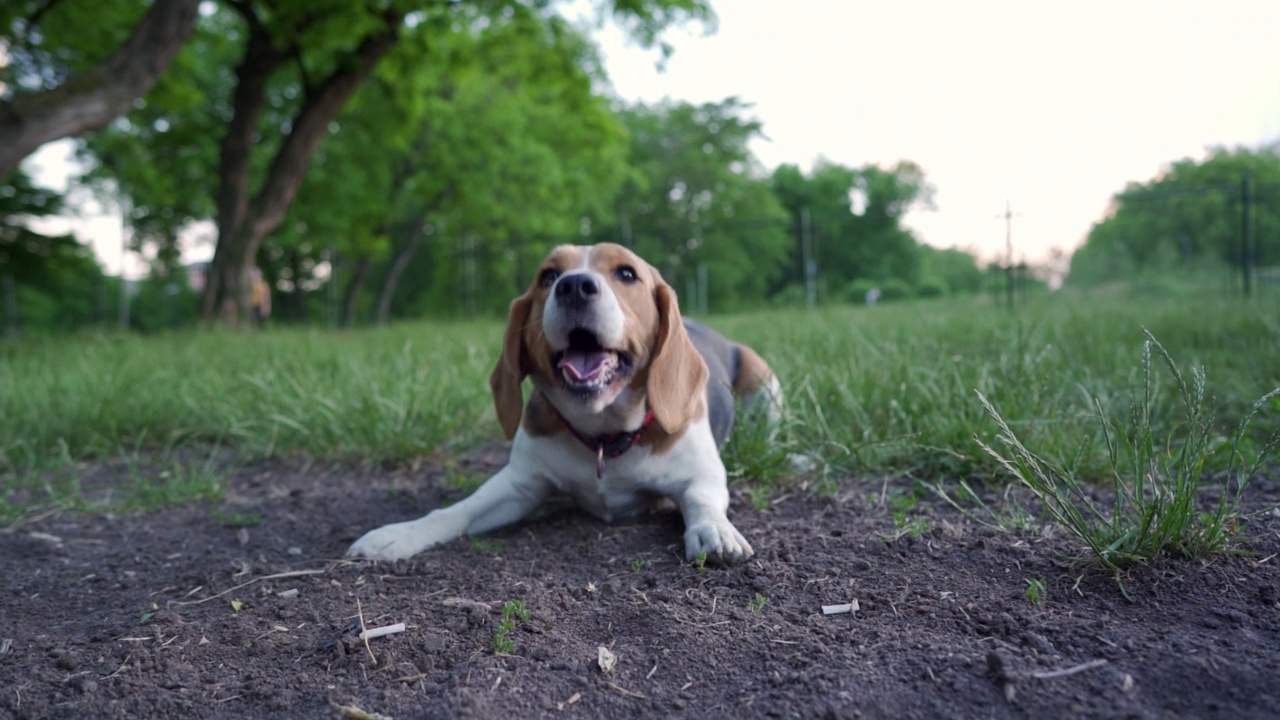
column 1158, row 478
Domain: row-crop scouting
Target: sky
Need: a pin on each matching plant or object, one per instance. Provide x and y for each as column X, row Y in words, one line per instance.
column 1050, row 108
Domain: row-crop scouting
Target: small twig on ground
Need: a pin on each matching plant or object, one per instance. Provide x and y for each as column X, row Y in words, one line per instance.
column 465, row 604
column 364, row 634
column 627, row 692
column 120, row 669
column 354, row 713
column 572, row 699
column 1046, row 674
column 276, row 576
column 29, row 519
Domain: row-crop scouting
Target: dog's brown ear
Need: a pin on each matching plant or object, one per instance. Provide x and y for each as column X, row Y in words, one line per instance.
column 677, row 373
column 512, row 367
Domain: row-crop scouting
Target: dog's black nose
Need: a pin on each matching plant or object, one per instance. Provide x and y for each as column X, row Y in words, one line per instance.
column 577, row 289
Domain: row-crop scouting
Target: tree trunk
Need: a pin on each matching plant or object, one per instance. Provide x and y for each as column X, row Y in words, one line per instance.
column 404, row 256
column 351, row 297
column 94, row 98
column 226, row 293
column 244, row 223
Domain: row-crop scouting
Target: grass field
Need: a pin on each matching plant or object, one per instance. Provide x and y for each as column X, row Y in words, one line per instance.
column 891, row 389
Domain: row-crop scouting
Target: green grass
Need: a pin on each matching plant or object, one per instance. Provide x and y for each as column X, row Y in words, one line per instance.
column 871, row 391
column 1157, row 472
column 513, row 614
column 1035, row 592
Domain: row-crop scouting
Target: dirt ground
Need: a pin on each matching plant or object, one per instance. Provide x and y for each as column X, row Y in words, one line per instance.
column 242, row 611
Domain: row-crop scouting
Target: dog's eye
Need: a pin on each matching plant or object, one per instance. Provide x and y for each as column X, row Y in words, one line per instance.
column 626, row 274
column 548, row 277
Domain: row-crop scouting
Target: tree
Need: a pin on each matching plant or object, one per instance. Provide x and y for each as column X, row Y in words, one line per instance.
column 296, row 64
column 47, row 105
column 47, row 282
column 953, row 270
column 501, row 145
column 1188, row 217
column 862, row 241
column 697, row 197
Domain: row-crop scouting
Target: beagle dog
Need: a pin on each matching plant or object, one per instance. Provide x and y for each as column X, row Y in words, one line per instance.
column 630, row 403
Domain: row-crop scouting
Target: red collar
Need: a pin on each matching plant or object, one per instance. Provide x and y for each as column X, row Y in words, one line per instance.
column 607, row 446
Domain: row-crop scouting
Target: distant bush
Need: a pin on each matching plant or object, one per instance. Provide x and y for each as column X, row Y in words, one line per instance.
column 789, row 296
column 855, row 293
column 895, row 289
column 932, row 287
column 163, row 303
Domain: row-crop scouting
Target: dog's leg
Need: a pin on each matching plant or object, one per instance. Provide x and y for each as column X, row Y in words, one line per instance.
column 704, row 503
column 506, row 497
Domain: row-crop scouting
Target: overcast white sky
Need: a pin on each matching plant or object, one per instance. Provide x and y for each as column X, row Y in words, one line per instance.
column 1052, row 107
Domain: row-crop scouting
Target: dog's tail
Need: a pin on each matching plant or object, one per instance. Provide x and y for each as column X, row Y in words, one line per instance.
column 755, row 383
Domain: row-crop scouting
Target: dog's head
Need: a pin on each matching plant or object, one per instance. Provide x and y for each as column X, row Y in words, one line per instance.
column 599, row 326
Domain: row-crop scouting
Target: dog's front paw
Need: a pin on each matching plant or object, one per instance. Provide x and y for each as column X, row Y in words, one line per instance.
column 393, row 542
column 719, row 541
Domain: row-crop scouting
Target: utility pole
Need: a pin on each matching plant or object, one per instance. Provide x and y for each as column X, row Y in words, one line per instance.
column 123, row 309
column 1246, row 233
column 1008, row 249
column 10, row 306
column 810, row 265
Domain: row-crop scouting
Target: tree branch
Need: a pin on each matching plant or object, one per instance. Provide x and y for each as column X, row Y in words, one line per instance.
column 92, row 99
column 308, row 129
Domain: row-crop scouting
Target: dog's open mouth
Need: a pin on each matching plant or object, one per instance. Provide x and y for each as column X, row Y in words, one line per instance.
column 586, row 366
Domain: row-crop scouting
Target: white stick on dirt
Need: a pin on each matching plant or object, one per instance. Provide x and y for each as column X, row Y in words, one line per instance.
column 850, row 607
column 378, row 632
column 1046, row 674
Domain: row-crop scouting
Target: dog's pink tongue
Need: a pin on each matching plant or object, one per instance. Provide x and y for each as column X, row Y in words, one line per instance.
column 584, row 365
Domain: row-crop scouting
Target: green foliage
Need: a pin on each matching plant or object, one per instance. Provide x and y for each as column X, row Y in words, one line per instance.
column 932, row 287
column 513, row 614
column 485, row 546
column 955, row 272
column 696, row 196
column 47, row 41
column 900, row 507
column 869, row 391
column 1188, row 218
column 1157, row 480
column 482, row 119
column 512, row 149
column 757, row 603
column 163, row 303
column 57, row 282
column 1035, row 591
column 862, row 242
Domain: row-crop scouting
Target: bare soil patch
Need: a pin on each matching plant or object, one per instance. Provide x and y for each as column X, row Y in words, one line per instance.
column 201, row 612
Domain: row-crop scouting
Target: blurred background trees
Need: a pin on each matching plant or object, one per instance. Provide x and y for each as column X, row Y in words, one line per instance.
column 403, row 158
column 1216, row 217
